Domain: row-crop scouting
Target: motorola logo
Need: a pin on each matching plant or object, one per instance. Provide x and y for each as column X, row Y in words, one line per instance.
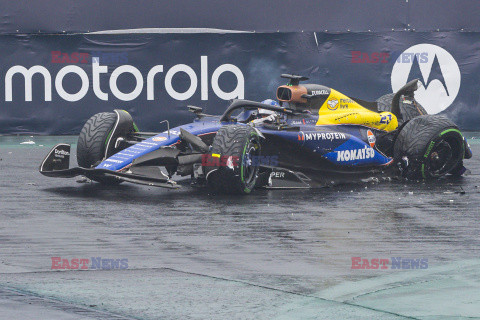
column 437, row 71
column 152, row 78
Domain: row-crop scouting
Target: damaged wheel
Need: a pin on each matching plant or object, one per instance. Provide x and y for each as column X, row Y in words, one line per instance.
column 429, row 146
column 409, row 109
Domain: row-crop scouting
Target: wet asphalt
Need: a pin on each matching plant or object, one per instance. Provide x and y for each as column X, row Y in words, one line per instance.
column 279, row 254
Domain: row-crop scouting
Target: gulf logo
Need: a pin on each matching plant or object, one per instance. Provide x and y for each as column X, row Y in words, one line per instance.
column 371, row 138
column 158, row 139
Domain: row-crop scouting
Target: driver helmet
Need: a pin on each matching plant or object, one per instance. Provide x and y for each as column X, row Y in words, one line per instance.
column 271, row 102
column 265, row 112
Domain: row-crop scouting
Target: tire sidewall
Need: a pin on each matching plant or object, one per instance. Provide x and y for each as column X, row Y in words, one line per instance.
column 93, row 139
column 234, row 142
column 417, row 140
column 248, row 185
column 447, row 133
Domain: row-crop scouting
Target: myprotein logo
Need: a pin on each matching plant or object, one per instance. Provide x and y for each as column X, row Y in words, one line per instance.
column 152, row 78
column 438, row 73
column 317, row 136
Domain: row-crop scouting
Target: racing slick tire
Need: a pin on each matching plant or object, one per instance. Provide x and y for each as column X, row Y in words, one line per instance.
column 92, row 143
column 407, row 110
column 428, row 147
column 236, row 148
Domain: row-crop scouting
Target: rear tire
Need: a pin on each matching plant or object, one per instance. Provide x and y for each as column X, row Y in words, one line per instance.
column 92, row 143
column 428, row 147
column 384, row 103
column 408, row 111
column 235, row 147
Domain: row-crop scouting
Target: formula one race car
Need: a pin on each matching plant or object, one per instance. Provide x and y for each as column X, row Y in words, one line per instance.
column 314, row 136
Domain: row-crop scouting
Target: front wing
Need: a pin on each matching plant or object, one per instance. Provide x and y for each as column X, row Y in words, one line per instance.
column 57, row 164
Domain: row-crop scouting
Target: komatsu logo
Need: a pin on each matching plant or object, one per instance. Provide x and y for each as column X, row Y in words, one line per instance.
column 93, row 81
column 355, row 154
column 438, row 73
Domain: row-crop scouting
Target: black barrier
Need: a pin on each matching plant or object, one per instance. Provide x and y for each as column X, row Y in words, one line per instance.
column 51, row 84
column 54, row 16
column 265, row 15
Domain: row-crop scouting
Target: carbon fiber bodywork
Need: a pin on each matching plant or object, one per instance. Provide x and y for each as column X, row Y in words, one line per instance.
column 314, row 141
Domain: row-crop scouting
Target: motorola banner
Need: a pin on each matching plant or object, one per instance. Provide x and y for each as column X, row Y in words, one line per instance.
column 53, row 84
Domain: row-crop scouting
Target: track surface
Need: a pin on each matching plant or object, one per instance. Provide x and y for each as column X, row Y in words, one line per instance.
column 272, row 254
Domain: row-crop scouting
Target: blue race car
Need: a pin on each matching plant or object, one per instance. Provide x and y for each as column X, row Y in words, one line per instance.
column 313, row 136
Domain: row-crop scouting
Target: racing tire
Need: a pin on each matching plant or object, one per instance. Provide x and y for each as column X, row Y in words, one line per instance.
column 235, row 146
column 92, row 142
column 429, row 147
column 408, row 111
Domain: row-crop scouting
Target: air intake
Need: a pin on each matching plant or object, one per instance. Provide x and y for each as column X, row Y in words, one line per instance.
column 284, row 94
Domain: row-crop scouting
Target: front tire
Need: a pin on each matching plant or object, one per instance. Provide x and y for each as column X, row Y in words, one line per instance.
column 429, row 147
column 92, row 143
column 93, row 139
column 237, row 148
